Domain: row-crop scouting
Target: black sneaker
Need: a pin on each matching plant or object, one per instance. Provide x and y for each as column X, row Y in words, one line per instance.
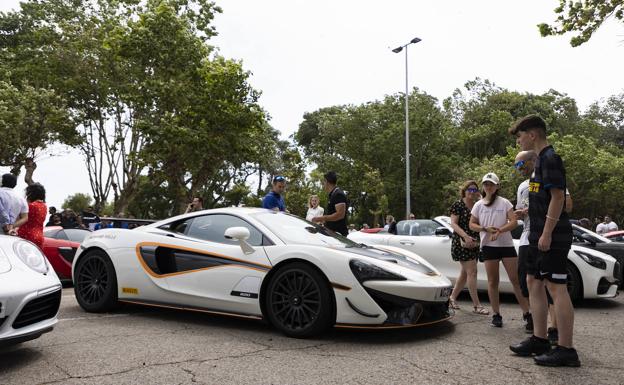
column 528, row 318
column 559, row 356
column 553, row 336
column 497, row 320
column 532, row 345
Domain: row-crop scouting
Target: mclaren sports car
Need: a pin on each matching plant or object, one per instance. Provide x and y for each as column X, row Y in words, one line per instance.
column 259, row 264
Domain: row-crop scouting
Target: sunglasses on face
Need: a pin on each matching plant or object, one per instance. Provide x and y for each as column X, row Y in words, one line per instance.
column 519, row 164
column 279, row 179
column 472, row 189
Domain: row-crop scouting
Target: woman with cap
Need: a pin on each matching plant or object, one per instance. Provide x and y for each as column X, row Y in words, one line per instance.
column 493, row 217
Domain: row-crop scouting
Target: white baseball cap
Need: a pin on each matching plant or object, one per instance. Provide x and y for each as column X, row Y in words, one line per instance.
column 490, row 177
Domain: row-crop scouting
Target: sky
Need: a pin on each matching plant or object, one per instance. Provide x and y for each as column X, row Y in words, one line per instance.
column 304, row 55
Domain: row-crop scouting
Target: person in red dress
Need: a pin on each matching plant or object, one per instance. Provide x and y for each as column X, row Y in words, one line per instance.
column 32, row 230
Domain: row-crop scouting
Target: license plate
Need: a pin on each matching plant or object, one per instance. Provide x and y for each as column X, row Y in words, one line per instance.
column 445, row 292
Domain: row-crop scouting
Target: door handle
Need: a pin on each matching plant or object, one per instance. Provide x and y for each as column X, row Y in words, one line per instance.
column 171, row 235
column 409, row 243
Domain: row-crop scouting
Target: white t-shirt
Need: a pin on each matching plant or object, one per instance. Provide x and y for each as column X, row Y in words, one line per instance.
column 17, row 204
column 604, row 228
column 523, row 203
column 317, row 212
column 493, row 215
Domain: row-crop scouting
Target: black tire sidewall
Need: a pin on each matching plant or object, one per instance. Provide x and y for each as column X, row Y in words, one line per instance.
column 109, row 299
column 324, row 319
column 575, row 277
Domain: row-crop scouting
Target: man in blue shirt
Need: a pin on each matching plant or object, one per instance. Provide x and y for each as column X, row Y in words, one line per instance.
column 274, row 199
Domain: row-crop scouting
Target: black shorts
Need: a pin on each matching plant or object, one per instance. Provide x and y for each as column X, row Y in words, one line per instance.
column 550, row 265
column 523, row 253
column 491, row 252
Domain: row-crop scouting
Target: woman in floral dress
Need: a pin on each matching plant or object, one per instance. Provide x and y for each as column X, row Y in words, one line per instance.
column 465, row 246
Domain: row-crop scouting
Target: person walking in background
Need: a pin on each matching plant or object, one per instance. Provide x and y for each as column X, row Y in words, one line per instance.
column 336, row 218
column 55, row 220
column 606, row 226
column 16, row 204
column 550, row 239
column 32, row 230
column 493, row 218
column 465, row 246
column 314, row 210
column 90, row 218
column 274, row 200
column 391, row 225
column 196, row 205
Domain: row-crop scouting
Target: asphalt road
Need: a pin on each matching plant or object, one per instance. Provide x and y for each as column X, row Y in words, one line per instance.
column 137, row 345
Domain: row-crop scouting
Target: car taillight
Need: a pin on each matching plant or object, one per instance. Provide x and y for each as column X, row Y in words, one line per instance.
column 67, row 253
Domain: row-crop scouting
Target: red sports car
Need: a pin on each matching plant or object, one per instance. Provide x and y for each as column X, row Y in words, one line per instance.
column 60, row 245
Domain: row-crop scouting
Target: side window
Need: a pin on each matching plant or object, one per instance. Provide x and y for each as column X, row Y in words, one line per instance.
column 61, row 235
column 212, row 228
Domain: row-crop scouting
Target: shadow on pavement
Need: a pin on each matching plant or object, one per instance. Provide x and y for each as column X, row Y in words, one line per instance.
column 381, row 336
column 17, row 357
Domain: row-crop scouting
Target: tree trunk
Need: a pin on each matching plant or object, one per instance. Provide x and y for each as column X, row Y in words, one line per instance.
column 30, row 169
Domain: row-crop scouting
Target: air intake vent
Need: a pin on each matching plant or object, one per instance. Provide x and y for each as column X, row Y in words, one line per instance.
column 38, row 309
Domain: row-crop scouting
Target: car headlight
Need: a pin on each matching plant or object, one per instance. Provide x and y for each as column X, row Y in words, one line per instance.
column 31, row 256
column 596, row 262
column 365, row 271
column 5, row 264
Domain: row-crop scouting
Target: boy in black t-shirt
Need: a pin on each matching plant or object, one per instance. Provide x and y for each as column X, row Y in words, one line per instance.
column 336, row 218
column 550, row 239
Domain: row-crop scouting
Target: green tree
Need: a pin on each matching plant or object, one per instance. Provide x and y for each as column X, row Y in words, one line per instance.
column 77, row 202
column 583, row 17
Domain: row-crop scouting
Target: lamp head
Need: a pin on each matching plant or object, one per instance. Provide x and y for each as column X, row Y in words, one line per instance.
column 415, row 40
column 397, row 49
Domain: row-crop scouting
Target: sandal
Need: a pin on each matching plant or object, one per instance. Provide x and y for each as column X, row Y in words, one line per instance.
column 453, row 304
column 481, row 310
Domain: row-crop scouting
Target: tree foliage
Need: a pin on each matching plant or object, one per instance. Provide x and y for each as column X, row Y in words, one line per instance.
column 583, row 17
column 77, row 202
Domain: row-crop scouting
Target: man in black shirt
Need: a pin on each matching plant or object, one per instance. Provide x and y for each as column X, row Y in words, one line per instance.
column 550, row 239
column 336, row 218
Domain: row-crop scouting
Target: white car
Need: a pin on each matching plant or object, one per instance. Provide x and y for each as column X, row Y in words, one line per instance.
column 590, row 272
column 259, row 264
column 30, row 292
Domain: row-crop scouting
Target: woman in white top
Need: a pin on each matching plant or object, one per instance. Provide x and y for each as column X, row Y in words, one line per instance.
column 314, row 210
column 493, row 217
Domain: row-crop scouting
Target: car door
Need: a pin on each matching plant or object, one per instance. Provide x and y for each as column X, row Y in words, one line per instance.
column 419, row 237
column 205, row 269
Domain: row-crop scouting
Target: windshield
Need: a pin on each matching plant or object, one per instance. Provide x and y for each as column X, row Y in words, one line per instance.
column 294, row 230
column 417, row 227
column 599, row 238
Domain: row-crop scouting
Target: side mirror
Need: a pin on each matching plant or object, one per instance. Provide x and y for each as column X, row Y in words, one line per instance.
column 442, row 231
column 237, row 233
column 241, row 234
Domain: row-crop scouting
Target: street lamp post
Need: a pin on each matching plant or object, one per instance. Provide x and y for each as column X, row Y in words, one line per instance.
column 408, row 208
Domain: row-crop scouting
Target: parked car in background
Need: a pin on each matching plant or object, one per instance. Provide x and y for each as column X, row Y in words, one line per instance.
column 592, row 274
column 587, row 238
column 30, row 292
column 374, row 230
column 615, row 236
column 60, row 246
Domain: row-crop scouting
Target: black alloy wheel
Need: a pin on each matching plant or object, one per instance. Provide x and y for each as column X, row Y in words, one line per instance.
column 575, row 282
column 299, row 302
column 95, row 282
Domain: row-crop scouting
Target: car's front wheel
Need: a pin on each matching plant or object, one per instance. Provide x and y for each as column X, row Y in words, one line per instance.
column 95, row 282
column 299, row 301
column 575, row 282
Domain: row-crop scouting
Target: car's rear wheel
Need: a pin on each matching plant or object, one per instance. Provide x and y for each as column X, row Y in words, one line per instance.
column 299, row 301
column 575, row 282
column 95, row 282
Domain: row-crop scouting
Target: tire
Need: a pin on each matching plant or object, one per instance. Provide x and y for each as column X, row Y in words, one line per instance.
column 298, row 301
column 95, row 282
column 575, row 282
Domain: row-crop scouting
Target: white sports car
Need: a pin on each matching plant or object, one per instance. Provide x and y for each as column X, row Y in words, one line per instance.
column 590, row 272
column 259, row 264
column 30, row 292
